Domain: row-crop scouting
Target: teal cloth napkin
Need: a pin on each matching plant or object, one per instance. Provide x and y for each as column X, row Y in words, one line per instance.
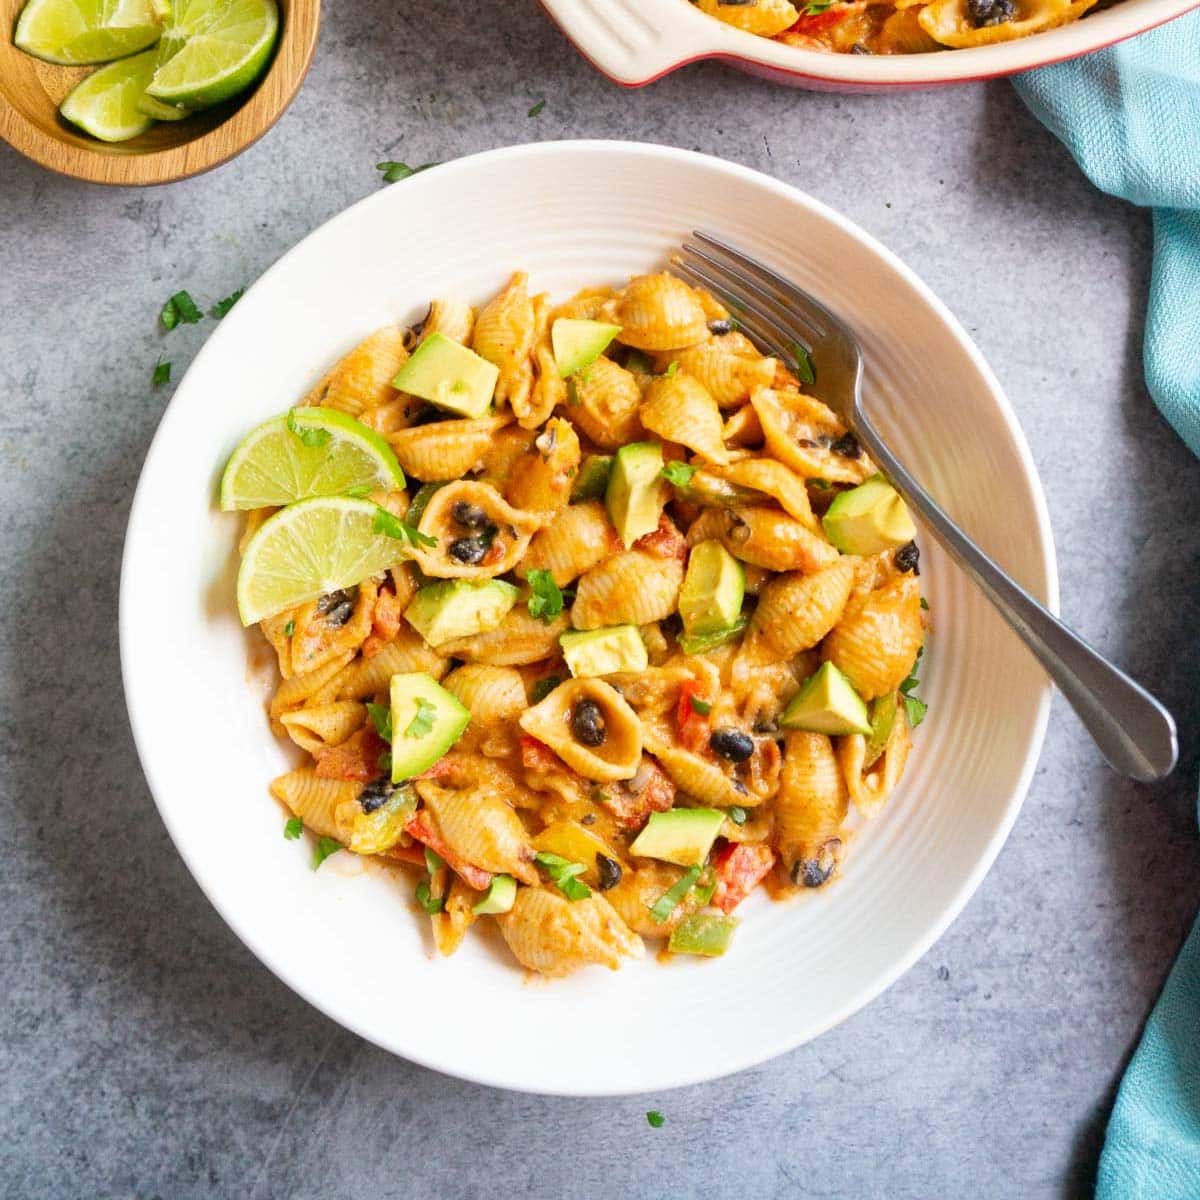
column 1131, row 117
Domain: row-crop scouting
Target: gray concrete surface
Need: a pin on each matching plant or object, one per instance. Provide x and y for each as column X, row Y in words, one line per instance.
column 146, row 1053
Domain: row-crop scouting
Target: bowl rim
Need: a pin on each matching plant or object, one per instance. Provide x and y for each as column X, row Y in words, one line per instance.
column 700, row 37
column 272, row 94
column 1047, row 590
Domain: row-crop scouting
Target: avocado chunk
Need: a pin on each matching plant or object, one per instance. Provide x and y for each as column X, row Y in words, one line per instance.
column 499, row 897
column 592, row 480
column 456, row 608
column 826, row 703
column 577, row 344
column 868, row 519
column 636, row 491
column 604, row 651
column 713, row 589
column 426, row 721
column 883, row 718
column 447, row 374
column 683, row 836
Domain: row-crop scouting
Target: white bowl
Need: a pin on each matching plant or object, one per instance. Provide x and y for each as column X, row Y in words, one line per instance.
column 575, row 213
column 635, row 42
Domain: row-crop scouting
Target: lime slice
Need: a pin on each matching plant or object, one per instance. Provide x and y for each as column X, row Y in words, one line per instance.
column 311, row 548
column 105, row 103
column 88, row 31
column 222, row 48
column 148, row 106
column 307, row 452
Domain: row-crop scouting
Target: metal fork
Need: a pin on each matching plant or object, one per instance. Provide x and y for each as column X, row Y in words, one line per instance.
column 1133, row 731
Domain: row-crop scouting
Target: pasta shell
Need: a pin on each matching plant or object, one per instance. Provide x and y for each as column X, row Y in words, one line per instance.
column 796, row 611
column 579, row 538
column 876, row 641
column 542, row 477
column 293, row 692
column 631, row 588
column 517, row 640
column 481, row 829
column 553, row 935
column 765, row 537
column 363, row 378
column 493, row 694
column 773, row 479
column 603, row 401
column 583, row 306
column 313, row 729
column 798, row 431
column 617, row 757
column 363, row 678
column 869, row 785
column 316, row 642
column 727, row 375
column 513, row 529
column 697, row 777
column 451, row 318
column 503, row 453
column 947, row 22
column 314, row 800
column 765, row 17
column 457, row 916
column 505, row 331
column 809, row 809
column 743, row 428
column 658, row 312
column 549, row 387
column 679, row 409
column 445, row 449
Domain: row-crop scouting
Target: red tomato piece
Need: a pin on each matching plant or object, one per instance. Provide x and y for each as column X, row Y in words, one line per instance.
column 740, row 868
column 692, row 725
column 356, row 758
column 419, row 828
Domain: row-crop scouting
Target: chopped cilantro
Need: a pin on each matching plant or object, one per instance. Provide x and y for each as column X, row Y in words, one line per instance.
column 822, row 485
column 325, row 847
column 816, row 7
column 924, row 604
column 655, row 1118
column 678, row 473
column 180, row 307
column 544, row 687
column 162, row 373
column 433, row 861
column 289, row 629
column 221, row 307
column 422, row 723
column 293, row 829
column 310, row 437
column 563, row 874
column 914, row 708
column 805, row 371
column 431, row 904
column 393, row 172
column 672, row 367
column 737, row 814
column 670, row 900
column 381, row 718
column 702, row 707
column 545, row 597
column 385, row 522
column 536, row 110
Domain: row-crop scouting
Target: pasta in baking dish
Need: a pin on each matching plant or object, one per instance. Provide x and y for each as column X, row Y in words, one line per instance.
column 893, row 26
column 649, row 645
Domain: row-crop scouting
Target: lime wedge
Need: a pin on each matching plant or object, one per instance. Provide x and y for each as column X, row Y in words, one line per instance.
column 88, row 31
column 311, row 548
column 307, row 452
column 148, row 106
column 105, row 103
column 220, row 48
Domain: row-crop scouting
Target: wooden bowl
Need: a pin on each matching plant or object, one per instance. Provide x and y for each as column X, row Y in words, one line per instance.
column 32, row 90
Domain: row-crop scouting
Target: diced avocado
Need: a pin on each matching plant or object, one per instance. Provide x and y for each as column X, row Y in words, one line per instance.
column 636, row 491
column 826, row 703
column 702, row 644
column 577, row 344
column 426, row 721
column 883, row 717
column 499, row 897
column 592, row 479
column 713, row 589
column 868, row 519
column 603, row 651
column 456, row 608
column 681, row 835
column 702, row 933
column 447, row 374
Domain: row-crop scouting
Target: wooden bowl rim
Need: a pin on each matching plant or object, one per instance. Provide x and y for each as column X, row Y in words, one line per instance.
column 293, row 53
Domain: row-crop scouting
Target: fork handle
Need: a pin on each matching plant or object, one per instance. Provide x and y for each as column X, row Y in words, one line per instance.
column 1133, row 731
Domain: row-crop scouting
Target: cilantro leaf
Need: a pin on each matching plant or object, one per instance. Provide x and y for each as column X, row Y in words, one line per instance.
column 180, row 307
column 671, row 899
column 914, row 710
column 430, row 903
column 805, row 371
column 544, row 687
column 816, row 7
column 221, row 307
column 737, row 814
column 162, row 373
column 536, row 110
column 393, row 172
column 545, row 597
column 289, row 629
column 381, row 718
column 386, row 522
column 672, row 367
column 699, row 707
column 325, row 847
column 293, row 829
column 655, row 1118
column 433, row 861
column 678, row 473
column 563, row 874
column 924, row 604
column 422, row 723
column 310, row 437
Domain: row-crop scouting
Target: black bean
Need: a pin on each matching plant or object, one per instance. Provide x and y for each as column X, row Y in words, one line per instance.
column 739, row 530
column 720, row 328
column 468, row 550
column 587, row 723
column 732, row 744
column 847, row 446
column 376, row 794
column 336, row 607
column 859, row 48
column 907, row 557
column 588, row 819
column 813, row 872
column 469, row 516
column 990, row 12
column 610, row 872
